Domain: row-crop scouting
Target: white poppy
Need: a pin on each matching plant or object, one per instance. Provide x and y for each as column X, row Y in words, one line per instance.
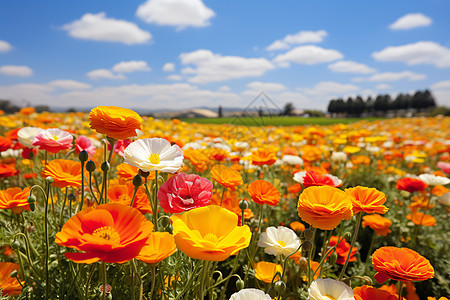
column 279, row 241
column 433, row 180
column 250, row 294
column 26, row 135
column 444, row 199
column 326, row 289
column 154, row 154
column 292, row 160
column 339, row 156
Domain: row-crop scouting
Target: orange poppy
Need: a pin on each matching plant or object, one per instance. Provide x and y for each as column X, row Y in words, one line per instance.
column 366, row 292
column 419, row 218
column 197, row 158
column 216, row 154
column 378, row 223
column 295, row 188
column 342, row 250
column 15, row 198
column 311, row 153
column 368, row 200
column 226, row 177
column 8, row 285
column 324, row 207
column 116, row 122
column 263, row 192
column 265, row 271
column 126, row 172
column 112, row 233
column 230, row 201
column 158, row 247
column 401, row 264
column 5, row 143
column 123, row 194
column 27, row 111
column 210, row 233
column 439, row 190
column 263, row 156
column 314, row 265
column 8, row 170
column 64, row 173
column 297, row 226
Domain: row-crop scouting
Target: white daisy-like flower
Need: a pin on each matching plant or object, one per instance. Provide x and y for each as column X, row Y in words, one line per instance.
column 339, row 156
column 433, row 180
column 250, row 294
column 326, row 289
column 26, row 135
column 279, row 241
column 292, row 160
column 154, row 154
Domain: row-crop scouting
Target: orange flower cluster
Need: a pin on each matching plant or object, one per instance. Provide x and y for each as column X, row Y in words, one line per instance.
column 64, row 173
column 116, row 122
column 15, row 199
column 366, row 292
column 123, row 194
column 263, row 192
column 9, row 286
column 226, row 177
column 378, row 223
column 263, row 156
column 368, row 200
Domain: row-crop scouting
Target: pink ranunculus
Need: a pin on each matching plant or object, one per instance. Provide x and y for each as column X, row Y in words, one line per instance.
column 184, row 192
column 444, row 166
column 53, row 140
column 120, row 146
column 84, row 143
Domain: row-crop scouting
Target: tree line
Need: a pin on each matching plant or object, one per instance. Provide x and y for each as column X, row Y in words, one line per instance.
column 382, row 105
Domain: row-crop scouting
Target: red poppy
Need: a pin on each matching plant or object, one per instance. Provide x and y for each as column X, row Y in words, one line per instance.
column 5, row 143
column 411, row 185
column 342, row 250
column 310, row 178
column 8, row 170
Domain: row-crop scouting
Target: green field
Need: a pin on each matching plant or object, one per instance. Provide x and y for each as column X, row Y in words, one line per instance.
column 277, row 121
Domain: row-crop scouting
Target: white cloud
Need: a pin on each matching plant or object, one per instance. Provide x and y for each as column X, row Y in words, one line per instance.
column 441, row 85
column 350, row 67
column 178, row 13
column 383, row 86
column 395, row 76
column 301, row 37
column 308, row 55
column 225, row 88
column 69, row 85
column 330, row 88
column 422, row 52
column 5, row 46
column 441, row 91
column 174, row 77
column 266, row 86
column 411, row 21
column 18, row 71
column 168, row 67
column 131, row 66
column 211, row 67
column 98, row 27
column 104, row 74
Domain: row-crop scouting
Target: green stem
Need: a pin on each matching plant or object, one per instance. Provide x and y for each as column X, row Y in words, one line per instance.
column 153, row 281
column 324, row 247
column 400, row 290
column 82, row 185
column 372, row 243
column 103, row 267
column 310, row 256
column 61, row 214
column 47, row 283
column 355, row 235
column 88, row 282
column 141, row 288
column 27, row 247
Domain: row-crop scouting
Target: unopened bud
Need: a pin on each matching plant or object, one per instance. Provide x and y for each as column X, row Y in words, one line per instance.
column 333, row 258
column 32, row 206
column 15, row 245
column 49, row 179
column 71, row 197
column 240, row 284
column 137, row 180
column 307, row 246
column 14, row 274
column 243, row 204
column 308, row 234
column 31, row 199
column 280, row 287
column 90, row 166
column 165, row 221
column 105, row 166
column 347, row 235
column 303, row 262
column 83, row 156
column 144, row 173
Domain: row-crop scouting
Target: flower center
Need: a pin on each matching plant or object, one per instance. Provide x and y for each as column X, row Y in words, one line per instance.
column 211, row 237
column 282, row 243
column 326, row 297
column 107, row 233
column 55, row 137
column 154, row 158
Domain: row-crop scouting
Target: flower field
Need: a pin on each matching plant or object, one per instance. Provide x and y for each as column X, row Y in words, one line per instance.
column 112, row 205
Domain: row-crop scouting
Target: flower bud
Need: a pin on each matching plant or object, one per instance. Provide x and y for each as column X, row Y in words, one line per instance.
column 333, row 258
column 303, row 262
column 243, row 205
column 347, row 235
column 105, row 166
column 90, row 166
column 15, row 245
column 49, row 179
column 71, row 197
column 32, row 206
column 165, row 221
column 307, row 246
column 137, row 180
column 14, row 274
column 240, row 284
column 308, row 234
column 83, row 156
column 144, row 173
column 31, row 199
column 280, row 287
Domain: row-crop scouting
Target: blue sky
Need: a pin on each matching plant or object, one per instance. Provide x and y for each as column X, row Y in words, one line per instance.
column 185, row 53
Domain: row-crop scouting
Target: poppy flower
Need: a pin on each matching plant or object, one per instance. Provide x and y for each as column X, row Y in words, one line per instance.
column 209, row 233
column 279, row 241
column 263, row 192
column 123, row 194
column 297, row 226
column 263, row 156
column 120, row 146
column 433, row 180
column 324, row 207
column 444, row 166
column 439, row 190
column 314, row 266
column 368, row 200
column 419, row 218
column 8, row 170
column 64, row 173
column 27, row 111
column 15, row 198
column 116, row 122
column 401, row 264
column 184, row 192
column 311, row 153
column 5, row 143
column 366, row 292
column 158, row 247
column 112, row 233
column 126, row 172
column 226, row 177
column 342, row 250
column 250, row 294
column 310, row 178
column 378, row 223
column 324, row 289
column 9, row 285
column 411, row 185
column 26, row 135
column 265, row 271
column 339, row 156
column 84, row 143
column 230, row 200
column 53, row 140
column 154, row 154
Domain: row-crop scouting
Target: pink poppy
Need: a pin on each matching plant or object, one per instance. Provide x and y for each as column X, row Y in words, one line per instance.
column 120, row 146
column 444, row 166
column 84, row 143
column 310, row 178
column 53, row 140
column 184, row 192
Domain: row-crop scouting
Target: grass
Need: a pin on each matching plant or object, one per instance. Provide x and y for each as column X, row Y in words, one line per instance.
column 276, row 121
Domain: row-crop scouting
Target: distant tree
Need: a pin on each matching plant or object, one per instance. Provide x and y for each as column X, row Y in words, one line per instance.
column 332, row 107
column 288, row 109
column 341, row 106
column 314, row 113
column 42, row 108
column 429, row 100
column 359, row 106
column 71, row 110
column 369, row 105
column 8, row 107
column 220, row 112
column 382, row 104
column 350, row 106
